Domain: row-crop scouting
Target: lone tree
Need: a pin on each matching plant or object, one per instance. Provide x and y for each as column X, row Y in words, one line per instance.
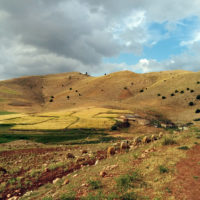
column 198, row 97
column 197, row 111
column 191, row 103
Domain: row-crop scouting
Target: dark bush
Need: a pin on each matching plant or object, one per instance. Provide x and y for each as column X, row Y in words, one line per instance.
column 172, row 94
column 79, row 94
column 191, row 103
column 70, row 88
column 51, row 100
column 76, row 91
column 182, row 91
column 163, row 97
column 163, row 169
column 68, row 97
column 95, row 184
column 191, row 91
column 198, row 82
column 198, row 97
column 197, row 111
column 176, row 91
column 183, row 148
column 141, row 90
column 169, row 141
column 132, row 83
column 188, row 88
column 125, row 88
column 158, row 95
column 52, row 97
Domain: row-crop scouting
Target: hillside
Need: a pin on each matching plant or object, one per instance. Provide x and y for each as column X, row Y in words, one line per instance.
column 119, row 90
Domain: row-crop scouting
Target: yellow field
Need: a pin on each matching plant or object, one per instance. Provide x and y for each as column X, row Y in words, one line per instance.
column 10, row 116
column 97, row 118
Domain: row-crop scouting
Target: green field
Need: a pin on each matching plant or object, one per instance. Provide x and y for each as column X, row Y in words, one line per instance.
column 54, row 137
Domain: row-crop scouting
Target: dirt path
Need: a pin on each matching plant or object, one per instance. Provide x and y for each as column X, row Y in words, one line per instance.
column 186, row 185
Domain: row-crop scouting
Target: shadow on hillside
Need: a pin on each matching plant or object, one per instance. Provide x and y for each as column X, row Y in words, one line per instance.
column 75, row 136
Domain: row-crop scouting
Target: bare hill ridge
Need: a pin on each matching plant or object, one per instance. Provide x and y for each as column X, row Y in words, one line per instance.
column 166, row 93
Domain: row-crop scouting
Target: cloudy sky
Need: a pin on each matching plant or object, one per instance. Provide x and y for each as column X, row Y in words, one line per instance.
column 98, row 36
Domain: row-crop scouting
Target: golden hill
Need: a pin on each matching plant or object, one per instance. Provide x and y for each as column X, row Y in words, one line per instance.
column 148, row 94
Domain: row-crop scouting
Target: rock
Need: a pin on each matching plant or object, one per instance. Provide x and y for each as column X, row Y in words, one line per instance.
column 110, row 151
column 3, row 170
column 46, row 170
column 153, row 137
column 160, row 135
column 81, row 159
column 70, row 155
column 96, row 162
column 102, row 173
column 146, row 140
column 185, row 128
column 143, row 155
column 8, row 195
column 84, row 151
column 56, row 180
column 75, row 175
column 66, row 181
column 136, row 141
column 124, row 145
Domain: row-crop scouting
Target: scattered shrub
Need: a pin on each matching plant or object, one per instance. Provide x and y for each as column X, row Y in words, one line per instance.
column 169, row 141
column 124, row 182
column 176, row 91
column 163, row 169
column 182, row 92
column 132, row 83
column 79, row 94
column 191, row 91
column 52, row 97
column 68, row 97
column 163, row 97
column 188, row 88
column 197, row 111
column 70, row 88
column 76, row 91
column 51, row 100
column 94, row 184
column 128, row 196
column 142, row 90
column 198, row 82
column 198, row 97
column 197, row 120
column 191, row 103
column 172, row 94
column 183, row 148
column 158, row 95
column 125, row 88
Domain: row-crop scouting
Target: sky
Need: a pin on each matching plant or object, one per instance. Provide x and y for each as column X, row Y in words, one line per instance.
column 98, row 36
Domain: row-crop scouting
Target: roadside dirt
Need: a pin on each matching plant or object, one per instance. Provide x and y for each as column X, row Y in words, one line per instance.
column 186, row 185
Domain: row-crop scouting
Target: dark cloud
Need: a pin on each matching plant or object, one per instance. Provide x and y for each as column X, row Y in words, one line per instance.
column 50, row 36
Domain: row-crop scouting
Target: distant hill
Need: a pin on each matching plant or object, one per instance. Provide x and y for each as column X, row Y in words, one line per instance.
column 165, row 94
